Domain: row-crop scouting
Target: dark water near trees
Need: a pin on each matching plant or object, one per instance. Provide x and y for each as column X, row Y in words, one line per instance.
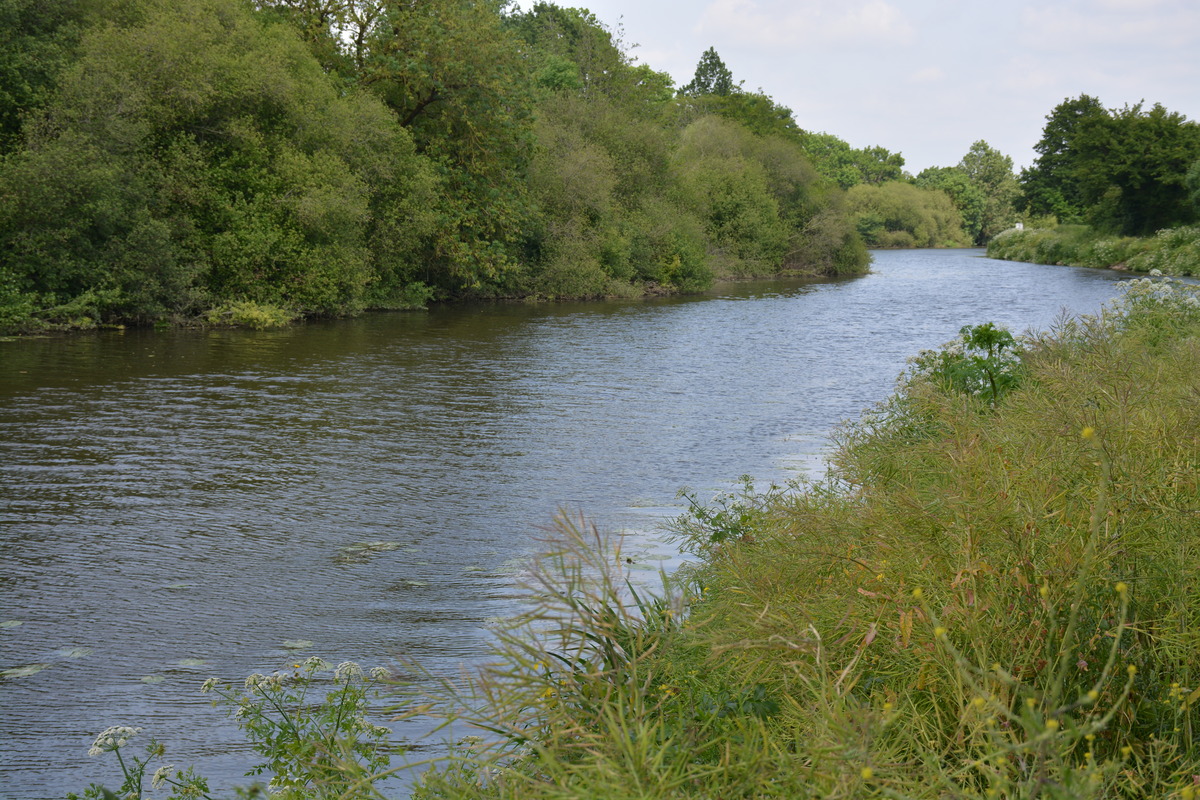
column 173, row 498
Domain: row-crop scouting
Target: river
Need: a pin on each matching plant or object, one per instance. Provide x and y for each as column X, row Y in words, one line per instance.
column 179, row 504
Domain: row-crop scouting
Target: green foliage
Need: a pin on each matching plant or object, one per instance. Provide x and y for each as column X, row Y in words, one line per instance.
column 967, row 196
column 248, row 314
column 847, row 166
column 1123, row 170
column 900, row 214
column 169, row 162
column 712, row 78
column 200, row 156
column 316, row 740
column 451, row 72
column 985, row 361
column 991, row 172
column 1050, row 187
column 1173, row 251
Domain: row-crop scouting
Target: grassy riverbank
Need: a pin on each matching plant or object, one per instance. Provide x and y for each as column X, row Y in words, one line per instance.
column 1173, row 251
column 994, row 598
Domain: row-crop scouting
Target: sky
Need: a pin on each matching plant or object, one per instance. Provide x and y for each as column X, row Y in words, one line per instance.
column 926, row 78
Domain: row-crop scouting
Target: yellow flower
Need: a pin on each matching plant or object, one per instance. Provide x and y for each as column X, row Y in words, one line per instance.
column 916, row 593
column 1121, row 588
column 1051, row 724
column 866, row 773
column 1088, row 433
column 939, row 631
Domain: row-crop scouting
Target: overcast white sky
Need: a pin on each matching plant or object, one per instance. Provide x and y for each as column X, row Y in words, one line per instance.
column 927, row 77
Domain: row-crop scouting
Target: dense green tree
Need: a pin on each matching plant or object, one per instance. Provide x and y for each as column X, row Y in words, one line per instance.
column 992, row 173
column 899, row 214
column 967, row 197
column 201, row 156
column 1051, row 185
column 1191, row 182
column 847, row 166
column 712, row 78
column 1133, row 167
column 452, row 74
column 1123, row 170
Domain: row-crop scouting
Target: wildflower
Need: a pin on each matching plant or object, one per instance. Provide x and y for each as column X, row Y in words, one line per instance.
column 380, row 674
column 316, row 664
column 939, row 631
column 1126, row 750
column 979, row 702
column 1132, row 670
column 347, row 671
column 208, row 686
column 255, row 679
column 1121, row 588
column 916, row 593
column 1044, row 591
column 1052, row 725
column 1093, row 695
column 1088, row 432
column 866, row 773
column 112, row 738
column 160, row 775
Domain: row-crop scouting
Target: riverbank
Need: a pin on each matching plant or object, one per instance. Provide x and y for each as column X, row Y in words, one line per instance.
column 1174, row 251
column 993, row 597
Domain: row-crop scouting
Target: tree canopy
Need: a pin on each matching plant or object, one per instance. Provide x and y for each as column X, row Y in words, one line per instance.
column 1122, row 170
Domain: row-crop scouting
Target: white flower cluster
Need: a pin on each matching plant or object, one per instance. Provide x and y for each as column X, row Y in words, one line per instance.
column 112, row 738
column 316, row 664
column 259, row 681
column 380, row 674
column 348, row 671
column 160, row 775
column 208, row 686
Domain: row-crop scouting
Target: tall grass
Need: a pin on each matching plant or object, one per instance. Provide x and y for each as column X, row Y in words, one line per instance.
column 994, row 596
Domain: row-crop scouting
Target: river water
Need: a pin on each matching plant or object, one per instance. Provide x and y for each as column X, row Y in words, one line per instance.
column 181, row 504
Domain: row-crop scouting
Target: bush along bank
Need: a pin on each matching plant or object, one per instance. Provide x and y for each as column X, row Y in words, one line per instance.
column 1172, row 251
column 992, row 596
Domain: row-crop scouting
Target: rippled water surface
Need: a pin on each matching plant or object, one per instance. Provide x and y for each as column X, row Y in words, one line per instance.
column 171, row 498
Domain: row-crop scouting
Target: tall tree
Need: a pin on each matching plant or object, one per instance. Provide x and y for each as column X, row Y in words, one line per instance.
column 712, row 78
column 992, row 173
column 1132, row 169
column 967, row 197
column 201, row 156
column 1051, row 184
column 452, row 73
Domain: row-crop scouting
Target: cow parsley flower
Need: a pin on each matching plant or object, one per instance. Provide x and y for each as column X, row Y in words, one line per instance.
column 160, row 775
column 112, row 738
column 348, row 671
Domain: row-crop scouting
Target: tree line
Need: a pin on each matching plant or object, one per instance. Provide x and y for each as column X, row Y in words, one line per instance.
column 222, row 158
column 256, row 160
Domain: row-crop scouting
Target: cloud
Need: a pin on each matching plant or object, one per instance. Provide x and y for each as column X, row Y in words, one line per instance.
column 928, row 75
column 1114, row 23
column 778, row 23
